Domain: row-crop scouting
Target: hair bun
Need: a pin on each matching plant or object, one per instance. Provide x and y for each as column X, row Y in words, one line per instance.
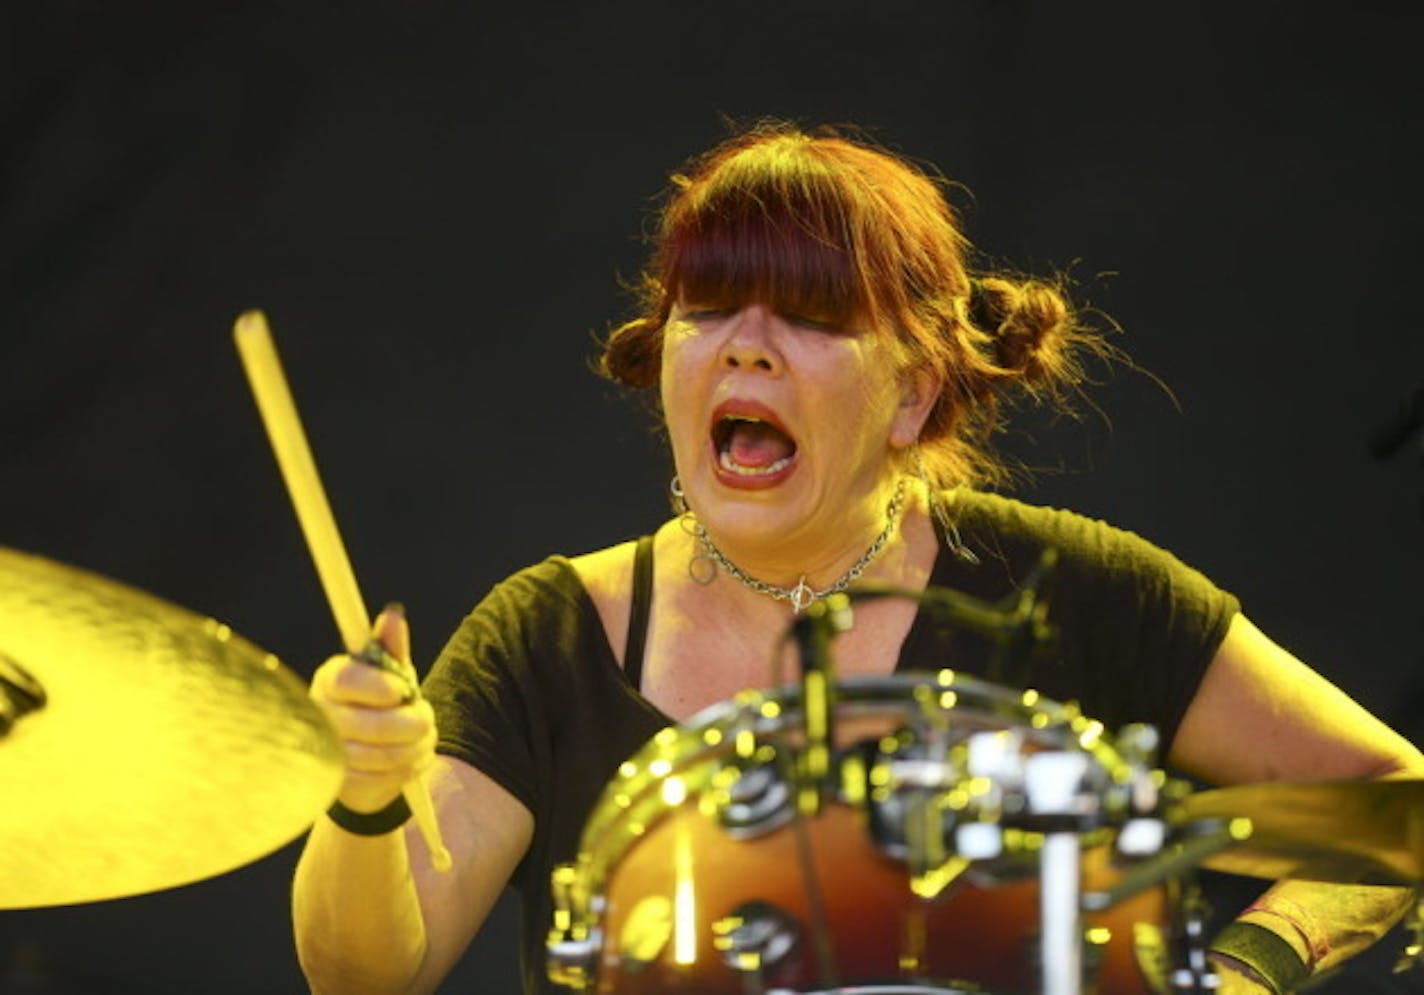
column 1030, row 323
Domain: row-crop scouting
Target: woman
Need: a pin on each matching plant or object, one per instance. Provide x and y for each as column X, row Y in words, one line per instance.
column 828, row 373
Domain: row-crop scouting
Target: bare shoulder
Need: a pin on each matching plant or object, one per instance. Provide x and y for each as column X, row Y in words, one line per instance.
column 607, row 576
column 606, row 573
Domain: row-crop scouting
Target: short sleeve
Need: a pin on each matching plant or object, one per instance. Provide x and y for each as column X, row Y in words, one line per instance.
column 1136, row 627
column 486, row 712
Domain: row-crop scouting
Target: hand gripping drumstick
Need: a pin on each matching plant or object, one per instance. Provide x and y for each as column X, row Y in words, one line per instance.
column 284, row 429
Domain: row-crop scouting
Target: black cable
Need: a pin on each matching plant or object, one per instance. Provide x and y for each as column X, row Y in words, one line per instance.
column 1406, row 422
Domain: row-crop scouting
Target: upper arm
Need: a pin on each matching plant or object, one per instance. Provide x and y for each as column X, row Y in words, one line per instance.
column 1261, row 715
column 487, row 831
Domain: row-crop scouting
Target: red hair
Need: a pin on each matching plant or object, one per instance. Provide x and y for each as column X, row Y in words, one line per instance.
column 841, row 231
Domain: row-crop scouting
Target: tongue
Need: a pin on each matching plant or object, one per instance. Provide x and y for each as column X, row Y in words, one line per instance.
column 758, row 444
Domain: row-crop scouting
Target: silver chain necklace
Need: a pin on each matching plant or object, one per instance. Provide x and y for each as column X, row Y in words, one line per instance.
column 801, row 595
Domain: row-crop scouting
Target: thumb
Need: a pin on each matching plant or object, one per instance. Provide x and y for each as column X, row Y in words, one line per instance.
column 392, row 631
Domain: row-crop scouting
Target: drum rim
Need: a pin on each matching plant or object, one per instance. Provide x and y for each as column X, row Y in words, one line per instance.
column 633, row 788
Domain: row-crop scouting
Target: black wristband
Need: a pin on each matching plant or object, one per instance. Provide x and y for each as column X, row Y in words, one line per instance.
column 378, row 823
column 1264, row 952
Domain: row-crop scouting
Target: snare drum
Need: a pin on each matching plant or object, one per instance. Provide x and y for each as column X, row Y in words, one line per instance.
column 916, row 872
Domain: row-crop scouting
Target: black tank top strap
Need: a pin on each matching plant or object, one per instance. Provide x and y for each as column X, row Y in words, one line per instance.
column 638, row 611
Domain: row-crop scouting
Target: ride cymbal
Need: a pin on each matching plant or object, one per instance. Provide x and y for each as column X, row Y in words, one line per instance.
column 1349, row 832
column 162, row 750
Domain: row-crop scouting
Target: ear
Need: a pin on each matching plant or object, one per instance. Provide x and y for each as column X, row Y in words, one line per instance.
column 920, row 389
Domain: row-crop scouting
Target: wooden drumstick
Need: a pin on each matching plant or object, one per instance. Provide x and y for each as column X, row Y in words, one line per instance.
column 289, row 443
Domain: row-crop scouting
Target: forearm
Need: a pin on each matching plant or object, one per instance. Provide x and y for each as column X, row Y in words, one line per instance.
column 1329, row 923
column 356, row 913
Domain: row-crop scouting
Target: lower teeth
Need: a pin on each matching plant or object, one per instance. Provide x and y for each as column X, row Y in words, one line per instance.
column 727, row 463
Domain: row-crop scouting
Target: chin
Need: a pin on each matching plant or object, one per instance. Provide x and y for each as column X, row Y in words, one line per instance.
column 742, row 516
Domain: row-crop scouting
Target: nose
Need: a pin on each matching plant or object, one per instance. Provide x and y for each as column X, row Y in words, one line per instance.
column 749, row 344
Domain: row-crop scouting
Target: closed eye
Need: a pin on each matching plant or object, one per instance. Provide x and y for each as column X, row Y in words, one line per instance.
column 813, row 324
column 706, row 313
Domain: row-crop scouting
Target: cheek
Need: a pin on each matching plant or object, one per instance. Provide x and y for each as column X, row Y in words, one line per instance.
column 872, row 396
column 669, row 368
column 677, row 383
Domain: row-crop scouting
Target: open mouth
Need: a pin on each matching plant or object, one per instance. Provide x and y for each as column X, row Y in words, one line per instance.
column 752, row 447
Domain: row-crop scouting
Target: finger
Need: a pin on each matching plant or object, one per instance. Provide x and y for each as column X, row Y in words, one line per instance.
column 392, row 631
column 407, row 724
column 406, row 760
column 350, row 681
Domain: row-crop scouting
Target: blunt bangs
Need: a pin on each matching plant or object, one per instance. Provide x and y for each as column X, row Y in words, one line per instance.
column 774, row 226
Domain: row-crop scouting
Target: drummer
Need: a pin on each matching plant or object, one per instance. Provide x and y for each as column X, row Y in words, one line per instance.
column 830, row 374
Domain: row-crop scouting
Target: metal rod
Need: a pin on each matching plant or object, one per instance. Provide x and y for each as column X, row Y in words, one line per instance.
column 1061, row 950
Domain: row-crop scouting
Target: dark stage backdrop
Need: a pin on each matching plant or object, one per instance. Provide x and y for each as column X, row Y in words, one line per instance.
column 435, row 203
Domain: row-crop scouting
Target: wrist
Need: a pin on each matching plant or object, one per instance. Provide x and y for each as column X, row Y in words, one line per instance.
column 1292, row 923
column 1262, row 955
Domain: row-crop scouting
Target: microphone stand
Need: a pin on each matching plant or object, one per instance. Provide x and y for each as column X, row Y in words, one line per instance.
column 813, row 631
column 1019, row 625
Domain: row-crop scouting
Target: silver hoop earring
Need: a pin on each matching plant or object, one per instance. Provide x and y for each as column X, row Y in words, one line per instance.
column 679, row 502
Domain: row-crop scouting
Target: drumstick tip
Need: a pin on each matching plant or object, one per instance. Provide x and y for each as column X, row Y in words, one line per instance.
column 252, row 322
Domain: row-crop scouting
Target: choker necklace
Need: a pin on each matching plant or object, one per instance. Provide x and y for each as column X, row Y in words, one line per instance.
column 703, row 568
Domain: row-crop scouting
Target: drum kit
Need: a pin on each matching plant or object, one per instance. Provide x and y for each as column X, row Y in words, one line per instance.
column 962, row 836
